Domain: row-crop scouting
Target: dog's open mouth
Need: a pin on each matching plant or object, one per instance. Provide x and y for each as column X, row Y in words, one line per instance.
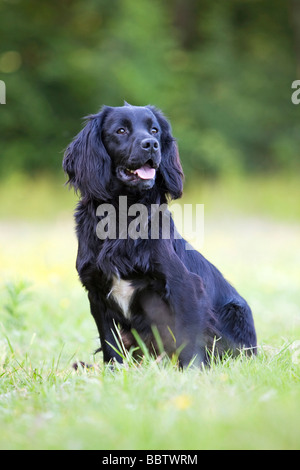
column 145, row 172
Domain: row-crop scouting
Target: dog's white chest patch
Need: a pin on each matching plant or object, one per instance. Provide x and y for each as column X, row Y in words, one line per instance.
column 122, row 292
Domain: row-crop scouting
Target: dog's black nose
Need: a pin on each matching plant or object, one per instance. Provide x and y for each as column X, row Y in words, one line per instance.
column 150, row 145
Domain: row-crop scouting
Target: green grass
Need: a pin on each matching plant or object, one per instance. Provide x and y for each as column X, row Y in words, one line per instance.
column 45, row 326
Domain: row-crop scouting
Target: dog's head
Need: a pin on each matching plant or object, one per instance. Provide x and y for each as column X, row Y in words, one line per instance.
column 130, row 145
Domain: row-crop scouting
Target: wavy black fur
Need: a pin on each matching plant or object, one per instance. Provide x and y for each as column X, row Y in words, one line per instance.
column 174, row 288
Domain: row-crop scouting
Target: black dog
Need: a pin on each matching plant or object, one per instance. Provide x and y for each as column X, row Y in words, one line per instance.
column 137, row 282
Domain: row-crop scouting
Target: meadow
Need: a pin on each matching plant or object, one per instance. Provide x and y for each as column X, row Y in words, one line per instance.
column 252, row 232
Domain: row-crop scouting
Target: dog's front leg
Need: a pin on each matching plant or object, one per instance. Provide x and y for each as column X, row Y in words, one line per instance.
column 189, row 304
column 106, row 328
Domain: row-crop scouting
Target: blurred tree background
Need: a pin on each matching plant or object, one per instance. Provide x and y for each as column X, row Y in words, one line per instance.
column 220, row 70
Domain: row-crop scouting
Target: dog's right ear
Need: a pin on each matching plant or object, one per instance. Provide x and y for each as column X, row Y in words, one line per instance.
column 86, row 160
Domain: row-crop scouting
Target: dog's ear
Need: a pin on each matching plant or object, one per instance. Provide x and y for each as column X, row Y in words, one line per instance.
column 170, row 169
column 86, row 160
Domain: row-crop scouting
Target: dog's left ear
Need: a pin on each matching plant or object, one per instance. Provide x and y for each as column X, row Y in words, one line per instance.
column 170, row 167
column 86, row 160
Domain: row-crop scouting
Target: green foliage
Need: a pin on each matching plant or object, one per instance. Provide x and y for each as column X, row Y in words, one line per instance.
column 17, row 295
column 233, row 405
column 221, row 71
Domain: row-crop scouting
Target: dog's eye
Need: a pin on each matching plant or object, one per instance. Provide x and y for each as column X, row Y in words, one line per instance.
column 154, row 130
column 121, row 131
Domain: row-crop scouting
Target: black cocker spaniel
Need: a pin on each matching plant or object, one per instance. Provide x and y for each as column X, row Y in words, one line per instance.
column 153, row 285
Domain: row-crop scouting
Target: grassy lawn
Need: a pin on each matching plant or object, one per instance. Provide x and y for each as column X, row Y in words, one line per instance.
column 252, row 233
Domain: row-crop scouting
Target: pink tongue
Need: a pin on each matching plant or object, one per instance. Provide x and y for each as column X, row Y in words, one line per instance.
column 145, row 172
